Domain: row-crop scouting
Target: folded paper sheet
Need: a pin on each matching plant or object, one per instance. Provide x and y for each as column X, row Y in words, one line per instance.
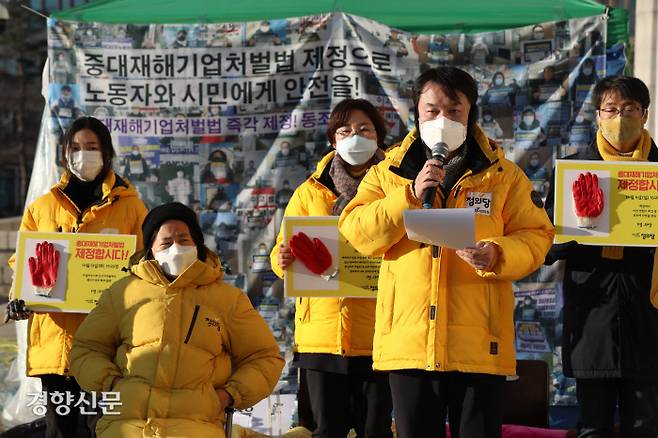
column 449, row 227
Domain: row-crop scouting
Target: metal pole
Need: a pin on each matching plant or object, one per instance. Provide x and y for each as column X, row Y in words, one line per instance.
column 228, row 424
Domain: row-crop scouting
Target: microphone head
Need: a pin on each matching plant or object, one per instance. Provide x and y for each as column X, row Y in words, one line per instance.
column 440, row 151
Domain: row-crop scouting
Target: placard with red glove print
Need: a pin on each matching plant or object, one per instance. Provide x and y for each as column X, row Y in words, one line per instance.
column 325, row 264
column 608, row 203
column 67, row 272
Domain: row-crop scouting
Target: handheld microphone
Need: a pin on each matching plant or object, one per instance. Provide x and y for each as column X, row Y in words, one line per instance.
column 439, row 152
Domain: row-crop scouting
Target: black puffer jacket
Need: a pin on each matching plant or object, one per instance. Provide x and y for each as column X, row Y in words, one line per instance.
column 610, row 326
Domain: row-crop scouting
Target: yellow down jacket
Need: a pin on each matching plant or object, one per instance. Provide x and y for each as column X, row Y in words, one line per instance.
column 342, row 326
column 440, row 314
column 120, row 211
column 173, row 344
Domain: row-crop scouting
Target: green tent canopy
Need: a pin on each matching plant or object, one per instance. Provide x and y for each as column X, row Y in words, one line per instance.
column 417, row 16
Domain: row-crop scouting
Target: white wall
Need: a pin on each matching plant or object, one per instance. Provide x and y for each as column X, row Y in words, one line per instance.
column 646, row 54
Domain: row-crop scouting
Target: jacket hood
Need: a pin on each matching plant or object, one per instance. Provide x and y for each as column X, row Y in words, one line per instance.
column 200, row 273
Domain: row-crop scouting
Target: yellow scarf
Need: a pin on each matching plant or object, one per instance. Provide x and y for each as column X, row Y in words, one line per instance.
column 609, row 153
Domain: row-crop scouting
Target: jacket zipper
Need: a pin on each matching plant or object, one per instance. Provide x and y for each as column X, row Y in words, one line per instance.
column 189, row 330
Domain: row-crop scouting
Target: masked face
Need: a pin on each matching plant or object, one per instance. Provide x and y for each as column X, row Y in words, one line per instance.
column 443, row 130
column 534, row 162
column 86, row 165
column 101, row 113
column 580, row 118
column 179, row 174
column 173, row 247
column 528, row 120
column 219, row 170
column 262, row 250
column 285, row 149
column 619, row 131
column 356, row 150
column 499, row 81
column 135, row 152
column 487, row 118
column 538, row 34
column 264, row 28
column 66, row 96
column 176, row 259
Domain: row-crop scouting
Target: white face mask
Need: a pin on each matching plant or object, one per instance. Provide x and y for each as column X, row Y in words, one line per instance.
column 443, row 130
column 528, row 120
column 356, row 150
column 219, row 170
column 176, row 259
column 86, row 165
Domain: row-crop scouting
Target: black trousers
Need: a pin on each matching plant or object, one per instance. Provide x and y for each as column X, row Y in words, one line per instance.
column 598, row 400
column 73, row 424
column 341, row 402
column 421, row 400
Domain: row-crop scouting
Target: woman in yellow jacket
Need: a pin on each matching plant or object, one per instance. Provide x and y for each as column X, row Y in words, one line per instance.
column 173, row 340
column 333, row 336
column 90, row 198
column 444, row 325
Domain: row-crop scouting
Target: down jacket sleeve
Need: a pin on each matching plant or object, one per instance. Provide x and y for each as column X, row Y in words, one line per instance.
column 257, row 363
column 528, row 234
column 373, row 221
column 94, row 347
column 27, row 224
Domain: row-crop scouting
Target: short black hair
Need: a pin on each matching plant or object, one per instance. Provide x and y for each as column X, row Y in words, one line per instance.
column 451, row 80
column 340, row 115
column 66, row 88
column 628, row 87
column 101, row 131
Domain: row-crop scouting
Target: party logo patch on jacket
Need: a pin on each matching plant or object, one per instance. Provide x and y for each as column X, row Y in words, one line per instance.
column 213, row 322
column 481, row 202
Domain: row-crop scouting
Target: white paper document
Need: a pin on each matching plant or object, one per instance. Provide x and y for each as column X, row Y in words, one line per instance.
column 450, row 227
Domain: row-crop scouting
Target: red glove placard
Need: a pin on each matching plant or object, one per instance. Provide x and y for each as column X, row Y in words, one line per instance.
column 588, row 199
column 43, row 267
column 314, row 254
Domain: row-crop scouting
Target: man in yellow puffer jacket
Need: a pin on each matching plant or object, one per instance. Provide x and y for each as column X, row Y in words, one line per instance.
column 333, row 336
column 174, row 340
column 444, row 321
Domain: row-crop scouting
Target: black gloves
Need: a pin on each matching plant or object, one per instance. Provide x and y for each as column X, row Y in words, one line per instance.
column 16, row 310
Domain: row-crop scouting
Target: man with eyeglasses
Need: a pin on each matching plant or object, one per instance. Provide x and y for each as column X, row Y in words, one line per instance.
column 610, row 335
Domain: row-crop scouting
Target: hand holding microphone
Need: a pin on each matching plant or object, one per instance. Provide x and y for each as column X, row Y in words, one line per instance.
column 431, row 175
